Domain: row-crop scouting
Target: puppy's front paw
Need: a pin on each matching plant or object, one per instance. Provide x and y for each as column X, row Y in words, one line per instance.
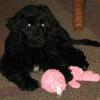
column 28, row 84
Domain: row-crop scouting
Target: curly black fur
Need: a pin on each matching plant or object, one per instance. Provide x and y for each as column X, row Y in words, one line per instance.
column 36, row 38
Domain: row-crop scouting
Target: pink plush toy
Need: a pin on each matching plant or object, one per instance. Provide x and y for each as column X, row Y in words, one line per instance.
column 80, row 75
column 53, row 81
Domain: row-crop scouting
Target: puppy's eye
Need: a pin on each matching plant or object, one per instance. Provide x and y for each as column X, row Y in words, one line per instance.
column 42, row 25
column 29, row 25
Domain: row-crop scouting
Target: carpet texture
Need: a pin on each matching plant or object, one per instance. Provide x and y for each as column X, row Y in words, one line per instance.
column 62, row 9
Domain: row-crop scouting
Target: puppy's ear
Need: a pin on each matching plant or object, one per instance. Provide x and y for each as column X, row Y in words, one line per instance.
column 13, row 24
column 10, row 24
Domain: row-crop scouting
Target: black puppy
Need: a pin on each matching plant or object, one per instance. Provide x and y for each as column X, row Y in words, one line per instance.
column 36, row 38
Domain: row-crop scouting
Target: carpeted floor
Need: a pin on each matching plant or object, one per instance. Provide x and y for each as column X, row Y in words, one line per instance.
column 62, row 9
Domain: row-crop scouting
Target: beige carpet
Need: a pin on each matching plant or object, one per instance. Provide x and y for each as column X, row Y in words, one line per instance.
column 88, row 91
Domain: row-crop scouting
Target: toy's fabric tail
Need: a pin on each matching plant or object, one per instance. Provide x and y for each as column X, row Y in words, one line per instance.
column 86, row 42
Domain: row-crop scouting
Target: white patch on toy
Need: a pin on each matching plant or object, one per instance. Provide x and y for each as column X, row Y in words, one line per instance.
column 58, row 90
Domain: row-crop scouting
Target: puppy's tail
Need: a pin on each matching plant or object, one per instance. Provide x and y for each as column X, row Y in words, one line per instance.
column 87, row 42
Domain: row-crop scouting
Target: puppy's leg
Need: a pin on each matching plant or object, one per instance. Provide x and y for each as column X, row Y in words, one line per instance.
column 28, row 83
column 14, row 71
column 73, row 56
column 64, row 38
column 66, row 72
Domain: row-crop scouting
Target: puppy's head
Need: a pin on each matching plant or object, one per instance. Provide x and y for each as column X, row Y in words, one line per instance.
column 32, row 25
